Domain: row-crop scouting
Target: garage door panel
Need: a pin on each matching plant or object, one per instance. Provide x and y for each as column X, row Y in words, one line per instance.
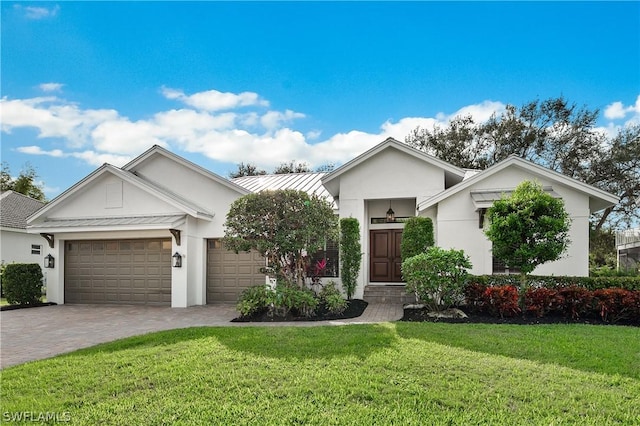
column 229, row 273
column 118, row 271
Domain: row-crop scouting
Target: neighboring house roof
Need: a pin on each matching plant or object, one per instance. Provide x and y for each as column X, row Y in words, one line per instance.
column 158, row 150
column 598, row 199
column 311, row 183
column 452, row 172
column 162, row 193
column 15, row 208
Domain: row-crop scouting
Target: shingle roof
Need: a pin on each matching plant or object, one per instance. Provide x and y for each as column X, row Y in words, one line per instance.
column 15, row 208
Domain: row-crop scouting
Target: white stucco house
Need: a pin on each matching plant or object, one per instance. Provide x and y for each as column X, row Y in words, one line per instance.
column 116, row 234
column 16, row 245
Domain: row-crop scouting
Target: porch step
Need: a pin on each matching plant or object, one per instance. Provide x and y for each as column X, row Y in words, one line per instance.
column 387, row 294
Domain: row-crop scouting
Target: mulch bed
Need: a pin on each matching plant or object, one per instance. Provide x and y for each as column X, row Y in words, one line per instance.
column 355, row 308
column 418, row 315
column 37, row 305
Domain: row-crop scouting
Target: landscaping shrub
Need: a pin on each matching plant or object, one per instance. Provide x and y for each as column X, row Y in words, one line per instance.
column 350, row 254
column 474, row 296
column 289, row 297
column 590, row 283
column 254, row 299
column 540, row 301
column 331, row 298
column 617, row 304
column 22, row 283
column 574, row 301
column 437, row 277
column 502, row 300
column 417, row 237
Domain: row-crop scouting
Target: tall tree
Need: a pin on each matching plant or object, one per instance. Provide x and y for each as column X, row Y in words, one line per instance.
column 25, row 183
column 553, row 133
column 248, row 169
column 291, row 167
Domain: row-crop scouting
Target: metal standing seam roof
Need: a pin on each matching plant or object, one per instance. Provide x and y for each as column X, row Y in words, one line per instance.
column 485, row 198
column 112, row 221
column 311, row 183
column 15, row 208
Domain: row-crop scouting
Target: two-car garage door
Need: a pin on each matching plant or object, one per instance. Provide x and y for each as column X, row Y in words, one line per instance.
column 139, row 272
column 118, row 271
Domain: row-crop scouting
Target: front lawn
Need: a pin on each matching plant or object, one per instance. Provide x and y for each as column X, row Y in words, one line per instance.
column 399, row 373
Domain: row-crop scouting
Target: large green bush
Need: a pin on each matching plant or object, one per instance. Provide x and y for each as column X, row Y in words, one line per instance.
column 22, row 283
column 350, row 254
column 437, row 277
column 417, row 237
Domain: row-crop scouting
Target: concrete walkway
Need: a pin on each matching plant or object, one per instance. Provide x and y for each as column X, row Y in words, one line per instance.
column 38, row 333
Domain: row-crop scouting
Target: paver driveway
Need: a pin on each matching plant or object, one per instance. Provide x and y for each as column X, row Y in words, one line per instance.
column 38, row 333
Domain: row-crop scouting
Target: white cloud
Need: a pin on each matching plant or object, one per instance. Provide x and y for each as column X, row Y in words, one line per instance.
column 35, row 13
column 230, row 129
column 53, row 118
column 90, row 157
column 617, row 111
column 51, row 87
column 36, row 150
column 213, row 100
column 274, row 119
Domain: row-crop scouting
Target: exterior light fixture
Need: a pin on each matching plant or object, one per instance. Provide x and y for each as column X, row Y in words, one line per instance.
column 49, row 261
column 177, row 260
column 391, row 215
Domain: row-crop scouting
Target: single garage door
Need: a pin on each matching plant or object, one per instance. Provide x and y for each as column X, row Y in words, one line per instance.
column 229, row 273
column 118, row 271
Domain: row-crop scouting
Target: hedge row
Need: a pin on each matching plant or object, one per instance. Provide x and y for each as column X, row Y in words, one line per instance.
column 590, row 283
column 573, row 302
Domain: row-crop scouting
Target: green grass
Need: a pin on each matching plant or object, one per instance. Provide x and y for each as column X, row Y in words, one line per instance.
column 399, row 373
column 3, row 301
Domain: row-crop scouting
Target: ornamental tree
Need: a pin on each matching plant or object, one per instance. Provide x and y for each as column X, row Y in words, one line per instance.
column 284, row 226
column 528, row 228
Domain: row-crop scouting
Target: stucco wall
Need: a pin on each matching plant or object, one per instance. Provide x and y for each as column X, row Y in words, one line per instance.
column 15, row 247
column 366, row 189
column 458, row 225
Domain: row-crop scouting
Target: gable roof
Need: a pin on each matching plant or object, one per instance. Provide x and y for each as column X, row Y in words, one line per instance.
column 161, row 193
column 330, row 181
column 15, row 208
column 598, row 199
column 310, row 183
column 158, row 150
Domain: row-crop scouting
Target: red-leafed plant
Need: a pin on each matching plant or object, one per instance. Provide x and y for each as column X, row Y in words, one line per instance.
column 474, row 296
column 617, row 304
column 502, row 300
column 574, row 301
column 540, row 301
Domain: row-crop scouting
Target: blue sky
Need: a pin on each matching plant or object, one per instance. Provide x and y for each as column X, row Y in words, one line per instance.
column 85, row 83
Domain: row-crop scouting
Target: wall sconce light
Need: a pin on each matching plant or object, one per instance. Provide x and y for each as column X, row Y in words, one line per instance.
column 177, row 260
column 49, row 261
column 391, row 215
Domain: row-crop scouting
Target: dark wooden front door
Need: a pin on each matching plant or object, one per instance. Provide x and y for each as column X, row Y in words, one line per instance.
column 385, row 262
